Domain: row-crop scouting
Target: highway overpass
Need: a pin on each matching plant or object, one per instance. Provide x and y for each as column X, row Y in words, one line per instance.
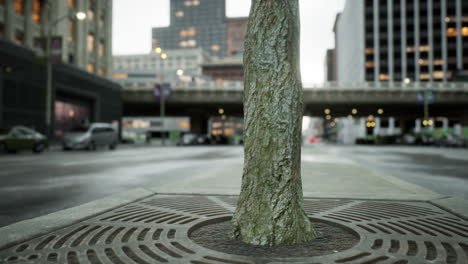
column 202, row 100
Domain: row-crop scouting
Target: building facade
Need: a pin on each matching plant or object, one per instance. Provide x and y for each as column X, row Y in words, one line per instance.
column 227, row 69
column 78, row 97
column 402, row 40
column 187, row 60
column 86, row 44
column 194, row 24
column 236, row 29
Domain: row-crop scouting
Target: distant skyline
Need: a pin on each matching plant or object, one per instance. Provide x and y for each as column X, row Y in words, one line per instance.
column 133, row 20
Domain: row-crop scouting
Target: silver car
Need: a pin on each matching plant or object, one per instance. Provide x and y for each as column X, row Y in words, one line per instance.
column 96, row 135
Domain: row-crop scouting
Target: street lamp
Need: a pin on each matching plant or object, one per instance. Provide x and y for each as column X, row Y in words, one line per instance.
column 50, row 25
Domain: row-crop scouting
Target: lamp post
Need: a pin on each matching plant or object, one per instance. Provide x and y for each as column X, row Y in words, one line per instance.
column 50, row 24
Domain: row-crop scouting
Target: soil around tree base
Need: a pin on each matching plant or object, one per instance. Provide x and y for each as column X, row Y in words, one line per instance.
column 331, row 239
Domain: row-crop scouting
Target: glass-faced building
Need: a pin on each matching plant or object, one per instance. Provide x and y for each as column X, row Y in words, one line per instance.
column 194, row 23
column 402, row 40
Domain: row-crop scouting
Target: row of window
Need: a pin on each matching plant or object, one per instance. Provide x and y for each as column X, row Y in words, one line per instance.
column 437, row 75
column 38, row 5
column 91, row 67
column 154, row 66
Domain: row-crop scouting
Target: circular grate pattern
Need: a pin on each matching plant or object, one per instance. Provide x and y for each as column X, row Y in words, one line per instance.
column 155, row 230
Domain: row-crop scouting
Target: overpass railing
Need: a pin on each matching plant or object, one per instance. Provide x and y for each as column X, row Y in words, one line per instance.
column 142, row 85
column 449, row 86
column 207, row 85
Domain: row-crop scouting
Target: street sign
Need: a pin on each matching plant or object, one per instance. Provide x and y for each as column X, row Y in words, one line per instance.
column 56, row 49
column 165, row 87
column 428, row 94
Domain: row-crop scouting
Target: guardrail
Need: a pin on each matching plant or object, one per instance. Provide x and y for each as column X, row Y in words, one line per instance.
column 239, row 86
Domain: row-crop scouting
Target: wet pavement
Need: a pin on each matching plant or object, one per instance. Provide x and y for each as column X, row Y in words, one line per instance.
column 443, row 170
column 35, row 185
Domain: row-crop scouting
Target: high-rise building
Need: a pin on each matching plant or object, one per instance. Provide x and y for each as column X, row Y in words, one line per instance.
column 194, row 23
column 330, row 65
column 86, row 43
column 236, row 29
column 402, row 40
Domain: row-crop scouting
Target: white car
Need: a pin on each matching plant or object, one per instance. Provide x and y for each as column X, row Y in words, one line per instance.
column 96, row 135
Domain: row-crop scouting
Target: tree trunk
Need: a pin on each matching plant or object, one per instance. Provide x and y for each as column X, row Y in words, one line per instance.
column 270, row 208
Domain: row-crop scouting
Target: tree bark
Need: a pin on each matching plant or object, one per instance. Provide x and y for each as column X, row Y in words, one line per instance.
column 270, row 208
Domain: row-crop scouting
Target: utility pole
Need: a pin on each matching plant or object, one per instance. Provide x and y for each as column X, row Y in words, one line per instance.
column 162, row 110
column 48, row 31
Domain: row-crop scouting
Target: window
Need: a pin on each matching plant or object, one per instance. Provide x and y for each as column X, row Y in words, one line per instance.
column 19, row 7
column 90, row 43
column 92, row 7
column 71, row 3
column 424, row 48
column 191, row 32
column 90, row 67
column 101, row 71
column 179, row 14
column 36, row 12
column 438, row 62
column 101, row 49
column 438, row 75
column 119, row 75
column 451, row 32
column 369, row 51
column 71, row 30
column 423, row 62
column 2, row 2
column 19, row 37
column 1, row 29
column 384, row 77
column 369, row 64
column 215, row 48
column 465, row 31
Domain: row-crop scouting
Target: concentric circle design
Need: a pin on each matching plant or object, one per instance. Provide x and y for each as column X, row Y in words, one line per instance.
column 155, row 230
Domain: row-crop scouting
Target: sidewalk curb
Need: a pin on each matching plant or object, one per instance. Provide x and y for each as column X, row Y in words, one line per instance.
column 28, row 229
column 457, row 206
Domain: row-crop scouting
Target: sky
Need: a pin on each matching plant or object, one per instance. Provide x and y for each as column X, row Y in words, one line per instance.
column 133, row 20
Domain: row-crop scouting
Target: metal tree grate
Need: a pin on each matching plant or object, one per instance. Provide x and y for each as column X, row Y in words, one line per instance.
column 155, row 230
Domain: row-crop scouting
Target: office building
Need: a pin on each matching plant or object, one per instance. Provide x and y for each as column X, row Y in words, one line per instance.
column 194, row 24
column 188, row 60
column 86, row 43
column 402, row 40
column 81, row 53
column 236, row 29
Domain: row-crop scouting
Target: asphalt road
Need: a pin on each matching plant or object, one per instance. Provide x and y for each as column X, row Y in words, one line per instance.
column 34, row 185
column 443, row 170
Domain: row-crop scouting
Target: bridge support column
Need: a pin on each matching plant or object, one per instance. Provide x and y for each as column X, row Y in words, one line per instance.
column 362, row 132
column 198, row 121
column 445, row 124
column 391, row 126
column 417, row 125
column 464, row 117
column 377, row 127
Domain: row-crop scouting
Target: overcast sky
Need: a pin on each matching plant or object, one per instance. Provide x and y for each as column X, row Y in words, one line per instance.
column 133, row 20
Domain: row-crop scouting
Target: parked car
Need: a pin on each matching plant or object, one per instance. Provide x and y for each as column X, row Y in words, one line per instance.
column 450, row 140
column 23, row 138
column 188, row 139
column 96, row 135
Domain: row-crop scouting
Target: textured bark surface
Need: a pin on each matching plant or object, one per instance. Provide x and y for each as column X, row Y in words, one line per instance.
column 270, row 209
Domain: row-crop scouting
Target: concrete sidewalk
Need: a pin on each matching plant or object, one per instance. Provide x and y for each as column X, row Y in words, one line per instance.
column 324, row 175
